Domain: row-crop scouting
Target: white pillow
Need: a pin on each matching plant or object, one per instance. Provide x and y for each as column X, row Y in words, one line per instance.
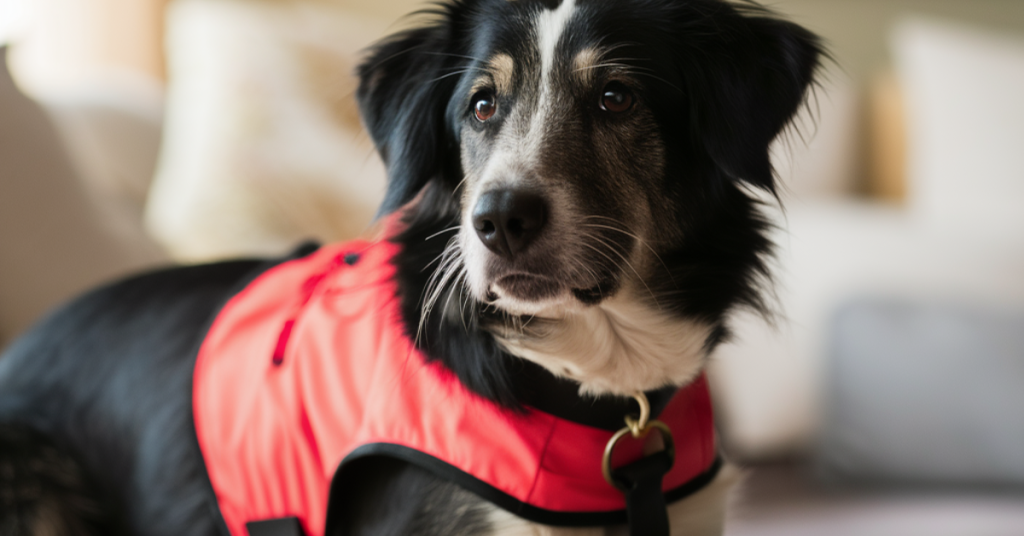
column 817, row 157
column 14, row 18
column 263, row 146
column 964, row 90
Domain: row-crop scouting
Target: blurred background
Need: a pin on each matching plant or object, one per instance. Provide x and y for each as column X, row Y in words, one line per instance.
column 888, row 398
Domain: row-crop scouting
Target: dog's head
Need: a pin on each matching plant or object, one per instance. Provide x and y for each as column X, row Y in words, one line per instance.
column 587, row 157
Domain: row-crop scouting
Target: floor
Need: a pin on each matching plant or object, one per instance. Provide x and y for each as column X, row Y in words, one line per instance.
column 784, row 501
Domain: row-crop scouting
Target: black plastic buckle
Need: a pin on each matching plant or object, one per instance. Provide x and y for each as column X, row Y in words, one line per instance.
column 288, row 526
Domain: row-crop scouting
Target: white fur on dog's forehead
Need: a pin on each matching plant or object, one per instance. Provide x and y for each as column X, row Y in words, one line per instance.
column 519, row 144
column 550, row 26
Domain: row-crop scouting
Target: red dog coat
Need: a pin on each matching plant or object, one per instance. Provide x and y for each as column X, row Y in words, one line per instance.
column 309, row 368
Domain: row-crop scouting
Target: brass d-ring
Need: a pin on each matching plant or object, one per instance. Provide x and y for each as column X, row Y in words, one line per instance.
column 637, row 426
column 639, row 429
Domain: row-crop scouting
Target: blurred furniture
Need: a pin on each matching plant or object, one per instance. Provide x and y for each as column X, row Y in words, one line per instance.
column 898, row 366
column 785, row 500
column 54, row 237
column 929, row 388
column 887, row 143
column 78, row 148
column 925, row 393
column 957, row 237
column 263, row 146
column 70, row 42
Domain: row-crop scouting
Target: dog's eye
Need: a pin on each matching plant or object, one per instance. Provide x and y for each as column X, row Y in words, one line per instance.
column 484, row 105
column 616, row 98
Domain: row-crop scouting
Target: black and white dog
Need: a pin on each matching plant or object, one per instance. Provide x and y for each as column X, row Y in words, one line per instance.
column 575, row 177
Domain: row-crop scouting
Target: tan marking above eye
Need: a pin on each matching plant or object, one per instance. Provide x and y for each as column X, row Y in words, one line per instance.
column 502, row 67
column 480, row 84
column 584, row 65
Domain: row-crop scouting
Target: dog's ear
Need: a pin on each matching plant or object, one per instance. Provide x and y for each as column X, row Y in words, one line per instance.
column 746, row 90
column 405, row 84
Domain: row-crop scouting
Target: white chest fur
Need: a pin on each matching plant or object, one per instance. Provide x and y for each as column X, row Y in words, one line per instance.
column 621, row 346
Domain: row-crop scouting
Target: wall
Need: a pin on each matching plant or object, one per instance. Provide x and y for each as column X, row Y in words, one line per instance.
column 857, row 30
column 128, row 33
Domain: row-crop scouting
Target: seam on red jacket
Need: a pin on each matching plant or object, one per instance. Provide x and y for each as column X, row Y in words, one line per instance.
column 540, row 465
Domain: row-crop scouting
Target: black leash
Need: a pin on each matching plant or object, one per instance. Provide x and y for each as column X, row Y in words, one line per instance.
column 640, row 481
column 645, row 503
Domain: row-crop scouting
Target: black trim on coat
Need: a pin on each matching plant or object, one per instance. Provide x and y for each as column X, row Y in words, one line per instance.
column 497, row 497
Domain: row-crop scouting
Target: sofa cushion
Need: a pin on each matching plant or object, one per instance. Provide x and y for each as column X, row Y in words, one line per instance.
column 925, row 392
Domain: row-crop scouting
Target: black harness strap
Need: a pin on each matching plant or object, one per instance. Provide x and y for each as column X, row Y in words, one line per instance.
column 288, row 526
column 645, row 502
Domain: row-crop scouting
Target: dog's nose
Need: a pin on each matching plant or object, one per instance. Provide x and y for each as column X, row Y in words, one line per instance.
column 507, row 221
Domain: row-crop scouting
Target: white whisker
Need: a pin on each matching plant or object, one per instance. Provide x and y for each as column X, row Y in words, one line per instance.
column 641, row 241
column 451, row 266
column 627, row 263
column 441, row 232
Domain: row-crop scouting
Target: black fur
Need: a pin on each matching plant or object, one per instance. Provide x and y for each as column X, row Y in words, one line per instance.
column 95, row 401
column 398, row 499
column 43, row 489
column 108, row 380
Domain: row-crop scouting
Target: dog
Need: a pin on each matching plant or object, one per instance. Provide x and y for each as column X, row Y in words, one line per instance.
column 574, row 181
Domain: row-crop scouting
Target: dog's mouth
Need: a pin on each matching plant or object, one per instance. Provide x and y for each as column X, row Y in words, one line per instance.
column 532, row 288
column 594, row 295
column 527, row 287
